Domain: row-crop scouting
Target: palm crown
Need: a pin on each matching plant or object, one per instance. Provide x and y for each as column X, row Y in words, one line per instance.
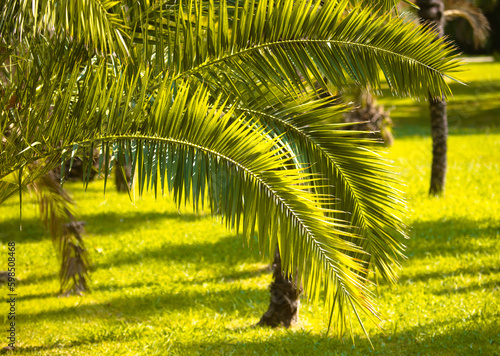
column 225, row 101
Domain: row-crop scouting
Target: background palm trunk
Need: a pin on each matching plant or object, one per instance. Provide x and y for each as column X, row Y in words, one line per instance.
column 432, row 13
column 123, row 182
column 284, row 304
column 439, row 129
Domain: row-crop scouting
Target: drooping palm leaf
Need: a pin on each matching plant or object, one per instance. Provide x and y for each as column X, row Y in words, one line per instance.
column 188, row 145
column 473, row 15
column 56, row 209
column 89, row 21
column 339, row 157
column 278, row 41
column 217, row 101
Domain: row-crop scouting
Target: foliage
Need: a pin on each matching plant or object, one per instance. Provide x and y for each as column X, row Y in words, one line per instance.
column 187, row 286
column 220, row 101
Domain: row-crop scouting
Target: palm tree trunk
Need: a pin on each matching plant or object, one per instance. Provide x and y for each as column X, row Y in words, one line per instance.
column 439, row 129
column 122, row 182
column 284, row 305
column 432, row 13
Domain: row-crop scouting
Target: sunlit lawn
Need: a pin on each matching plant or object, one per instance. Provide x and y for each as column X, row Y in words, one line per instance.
column 179, row 283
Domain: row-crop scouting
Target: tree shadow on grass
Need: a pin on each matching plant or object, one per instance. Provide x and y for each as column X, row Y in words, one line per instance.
column 229, row 251
column 99, row 224
column 416, row 341
column 95, row 288
column 157, row 300
column 117, row 223
column 32, row 230
column 436, row 237
column 450, row 237
column 463, row 271
column 474, row 111
column 480, row 338
column 491, row 285
column 455, row 238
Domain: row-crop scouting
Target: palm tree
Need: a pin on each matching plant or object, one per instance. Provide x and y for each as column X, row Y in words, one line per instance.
column 433, row 14
column 221, row 103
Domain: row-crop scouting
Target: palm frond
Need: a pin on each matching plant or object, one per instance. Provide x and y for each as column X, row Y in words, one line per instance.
column 285, row 41
column 92, row 22
column 190, row 146
column 219, row 100
column 364, row 182
column 383, row 5
column 57, row 212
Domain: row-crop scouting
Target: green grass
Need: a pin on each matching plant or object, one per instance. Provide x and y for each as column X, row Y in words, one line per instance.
column 179, row 283
column 474, row 107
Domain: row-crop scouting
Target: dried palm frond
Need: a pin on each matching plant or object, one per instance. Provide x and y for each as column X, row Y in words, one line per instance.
column 473, row 15
column 56, row 210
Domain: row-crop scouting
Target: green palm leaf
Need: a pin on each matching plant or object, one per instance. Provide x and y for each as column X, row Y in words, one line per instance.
column 362, row 179
column 384, row 5
column 284, row 41
column 219, row 100
column 92, row 22
column 192, row 146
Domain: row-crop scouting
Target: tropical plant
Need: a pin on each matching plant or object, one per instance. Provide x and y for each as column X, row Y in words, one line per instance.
column 433, row 14
column 369, row 116
column 219, row 103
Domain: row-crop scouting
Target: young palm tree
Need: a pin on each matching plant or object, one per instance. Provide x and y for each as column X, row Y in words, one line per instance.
column 220, row 104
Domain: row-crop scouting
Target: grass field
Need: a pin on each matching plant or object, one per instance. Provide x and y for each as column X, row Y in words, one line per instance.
column 166, row 282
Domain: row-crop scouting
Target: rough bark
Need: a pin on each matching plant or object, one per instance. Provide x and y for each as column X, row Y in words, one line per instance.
column 371, row 117
column 78, row 169
column 439, row 129
column 284, row 304
column 122, row 182
column 432, row 13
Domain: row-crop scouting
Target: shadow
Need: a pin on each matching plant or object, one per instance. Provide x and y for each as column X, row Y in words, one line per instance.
column 436, row 237
column 54, row 275
column 474, row 108
column 461, row 122
column 14, row 203
column 463, row 290
column 419, row 340
column 107, row 287
column 238, row 275
column 449, row 237
column 32, row 231
column 102, row 223
column 464, row 271
column 230, row 251
column 231, row 302
column 45, row 295
column 416, row 341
